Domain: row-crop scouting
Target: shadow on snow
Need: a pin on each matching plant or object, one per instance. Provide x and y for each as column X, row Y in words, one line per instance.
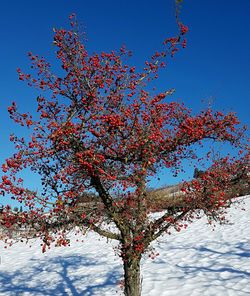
column 63, row 275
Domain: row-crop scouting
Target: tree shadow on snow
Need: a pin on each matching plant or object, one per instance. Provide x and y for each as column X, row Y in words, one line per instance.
column 62, row 275
column 217, row 276
column 240, row 249
column 220, row 268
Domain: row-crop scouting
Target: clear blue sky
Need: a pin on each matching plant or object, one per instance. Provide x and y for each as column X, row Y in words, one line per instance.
column 214, row 67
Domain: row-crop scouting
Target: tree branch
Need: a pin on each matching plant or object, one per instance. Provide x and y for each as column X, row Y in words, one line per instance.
column 151, row 233
column 108, row 202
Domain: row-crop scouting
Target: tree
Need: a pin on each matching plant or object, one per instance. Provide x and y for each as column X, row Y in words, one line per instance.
column 98, row 129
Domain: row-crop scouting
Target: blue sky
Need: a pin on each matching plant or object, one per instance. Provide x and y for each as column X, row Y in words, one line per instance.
column 213, row 68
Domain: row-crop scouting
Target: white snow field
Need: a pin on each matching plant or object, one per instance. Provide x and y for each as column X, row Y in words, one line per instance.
column 197, row 261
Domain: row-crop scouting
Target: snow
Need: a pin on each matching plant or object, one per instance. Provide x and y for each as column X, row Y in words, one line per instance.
column 197, row 261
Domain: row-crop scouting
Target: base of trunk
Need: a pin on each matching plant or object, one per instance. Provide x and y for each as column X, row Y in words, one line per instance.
column 132, row 278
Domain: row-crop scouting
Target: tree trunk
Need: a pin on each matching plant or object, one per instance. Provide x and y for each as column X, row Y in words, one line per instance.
column 132, row 279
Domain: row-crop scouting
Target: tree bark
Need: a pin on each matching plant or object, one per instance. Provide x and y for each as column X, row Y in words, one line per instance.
column 132, row 280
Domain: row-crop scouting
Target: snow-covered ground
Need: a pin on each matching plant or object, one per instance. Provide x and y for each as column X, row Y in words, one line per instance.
column 194, row 262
